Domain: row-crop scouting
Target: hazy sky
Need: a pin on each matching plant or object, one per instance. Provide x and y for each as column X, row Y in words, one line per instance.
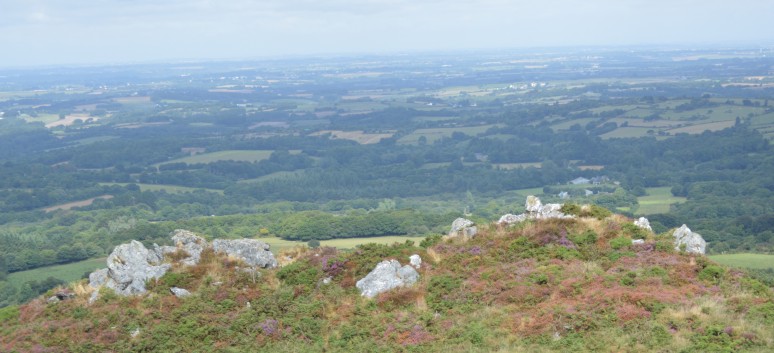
column 34, row 32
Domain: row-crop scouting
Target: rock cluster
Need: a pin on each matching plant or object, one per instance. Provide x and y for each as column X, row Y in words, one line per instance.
column 643, row 223
column 385, row 276
column 61, row 296
column 693, row 242
column 463, row 229
column 253, row 252
column 131, row 265
column 535, row 210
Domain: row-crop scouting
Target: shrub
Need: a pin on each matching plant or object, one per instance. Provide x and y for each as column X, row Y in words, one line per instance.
column 430, row 240
column 712, row 274
column 439, row 289
column 620, row 243
column 571, row 209
column 299, row 273
column 589, row 237
column 314, row 243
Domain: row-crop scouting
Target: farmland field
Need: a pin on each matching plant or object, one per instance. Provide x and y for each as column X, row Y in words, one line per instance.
column 435, row 134
column 509, row 166
column 756, row 261
column 68, row 272
column 278, row 244
column 230, row 155
column 172, row 189
column 357, row 136
column 699, row 128
column 82, row 203
column 658, row 200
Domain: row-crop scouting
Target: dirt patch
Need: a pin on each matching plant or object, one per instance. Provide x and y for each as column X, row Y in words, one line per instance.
column 71, row 205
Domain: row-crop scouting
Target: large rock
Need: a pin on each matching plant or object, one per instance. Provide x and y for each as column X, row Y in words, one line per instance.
column 189, row 242
column 130, row 266
column 386, row 276
column 511, row 218
column 463, row 228
column 180, row 292
column 533, row 204
column 415, row 260
column 693, row 242
column 643, row 223
column 535, row 210
column 253, row 252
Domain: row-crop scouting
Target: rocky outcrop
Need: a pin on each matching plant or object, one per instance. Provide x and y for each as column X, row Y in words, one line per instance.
column 463, row 228
column 643, row 223
column 386, row 276
column 535, row 210
column 511, row 218
column 131, row 265
column 253, row 252
column 188, row 242
column 693, row 242
column 61, row 296
column 180, row 292
column 415, row 260
column 533, row 204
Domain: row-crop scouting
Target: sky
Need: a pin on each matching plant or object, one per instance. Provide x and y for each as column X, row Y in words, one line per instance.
column 63, row 32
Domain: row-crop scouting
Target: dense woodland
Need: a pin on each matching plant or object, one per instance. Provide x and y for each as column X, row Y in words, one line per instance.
column 444, row 151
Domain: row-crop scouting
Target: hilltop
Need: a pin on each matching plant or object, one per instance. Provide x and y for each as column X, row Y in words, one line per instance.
column 566, row 278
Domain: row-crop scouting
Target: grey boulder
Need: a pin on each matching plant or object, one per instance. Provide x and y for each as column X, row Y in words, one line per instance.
column 180, row 292
column 129, row 267
column 463, row 228
column 189, row 242
column 253, row 252
column 643, row 223
column 693, row 242
column 385, row 276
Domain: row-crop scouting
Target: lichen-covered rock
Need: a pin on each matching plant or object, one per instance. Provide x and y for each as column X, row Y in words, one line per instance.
column 180, row 292
column 693, row 242
column 460, row 224
column 386, row 276
column 643, row 223
column 535, row 209
column 189, row 242
column 253, row 252
column 130, row 265
column 98, row 278
column 511, row 219
column 533, row 204
column 463, row 228
column 638, row 241
column 415, row 260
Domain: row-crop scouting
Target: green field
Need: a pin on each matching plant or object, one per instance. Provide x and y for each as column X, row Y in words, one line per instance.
column 658, row 200
column 230, row 155
column 756, row 261
column 437, row 133
column 68, row 273
column 278, row 244
column 625, row 132
column 272, row 176
column 172, row 189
